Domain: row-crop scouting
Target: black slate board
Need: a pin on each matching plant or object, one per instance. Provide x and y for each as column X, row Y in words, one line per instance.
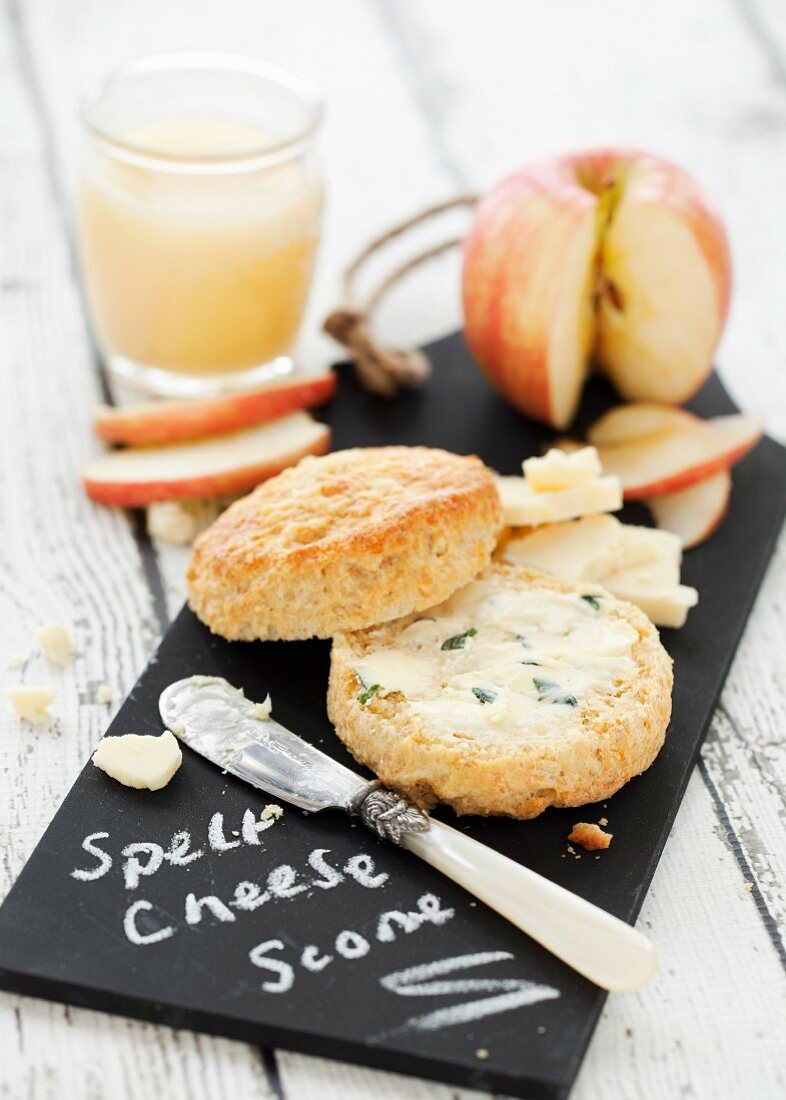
column 64, row 939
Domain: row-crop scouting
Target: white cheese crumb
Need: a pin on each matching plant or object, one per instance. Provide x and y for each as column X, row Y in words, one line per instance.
column 603, row 821
column 31, row 703
column 55, row 643
column 16, row 660
column 481, row 1053
column 271, row 810
column 145, row 762
column 104, row 693
column 262, row 710
column 180, row 521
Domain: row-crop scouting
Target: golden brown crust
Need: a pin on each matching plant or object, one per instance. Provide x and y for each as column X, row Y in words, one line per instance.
column 359, row 537
column 616, row 736
column 590, row 836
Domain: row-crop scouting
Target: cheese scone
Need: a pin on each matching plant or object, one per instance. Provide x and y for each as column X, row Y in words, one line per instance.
column 519, row 692
column 338, row 543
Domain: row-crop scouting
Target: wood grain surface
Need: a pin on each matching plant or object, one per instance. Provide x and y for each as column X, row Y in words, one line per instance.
column 425, row 98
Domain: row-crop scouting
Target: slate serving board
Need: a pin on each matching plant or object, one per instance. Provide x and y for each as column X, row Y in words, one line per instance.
column 443, row 988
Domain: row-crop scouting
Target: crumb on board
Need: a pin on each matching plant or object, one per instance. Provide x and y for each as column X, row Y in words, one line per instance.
column 31, row 703
column 589, row 836
column 541, row 1030
column 482, row 1054
column 54, row 641
column 235, row 832
column 104, row 694
column 749, row 887
column 603, row 822
column 272, row 810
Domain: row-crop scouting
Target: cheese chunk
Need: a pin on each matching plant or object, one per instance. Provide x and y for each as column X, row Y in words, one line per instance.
column 55, row 643
column 560, row 470
column 180, row 521
column 522, row 506
column 667, row 606
column 140, row 761
column 638, row 564
column 31, row 703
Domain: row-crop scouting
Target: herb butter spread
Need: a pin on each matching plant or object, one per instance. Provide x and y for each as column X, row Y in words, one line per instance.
column 527, row 659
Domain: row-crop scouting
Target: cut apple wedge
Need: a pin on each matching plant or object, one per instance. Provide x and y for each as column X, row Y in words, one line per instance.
column 693, row 514
column 231, row 463
column 637, row 418
column 668, row 461
column 169, row 421
column 611, row 255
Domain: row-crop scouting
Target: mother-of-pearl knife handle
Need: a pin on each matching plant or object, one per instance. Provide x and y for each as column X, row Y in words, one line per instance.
column 598, row 945
column 601, row 947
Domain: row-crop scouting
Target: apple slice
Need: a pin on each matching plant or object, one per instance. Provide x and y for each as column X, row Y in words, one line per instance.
column 230, row 463
column 667, row 461
column 637, row 418
column 694, row 513
column 168, row 421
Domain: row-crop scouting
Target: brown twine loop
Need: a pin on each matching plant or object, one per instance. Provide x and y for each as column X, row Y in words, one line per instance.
column 383, row 369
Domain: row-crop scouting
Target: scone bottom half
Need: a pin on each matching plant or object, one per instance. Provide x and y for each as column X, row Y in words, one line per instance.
column 520, row 692
column 344, row 542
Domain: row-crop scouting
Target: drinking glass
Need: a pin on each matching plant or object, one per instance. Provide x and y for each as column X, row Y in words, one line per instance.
column 200, row 203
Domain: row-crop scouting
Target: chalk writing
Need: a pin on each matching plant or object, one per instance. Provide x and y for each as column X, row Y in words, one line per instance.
column 426, row 980
column 104, row 860
column 284, row 963
column 133, row 933
column 348, row 944
column 178, row 854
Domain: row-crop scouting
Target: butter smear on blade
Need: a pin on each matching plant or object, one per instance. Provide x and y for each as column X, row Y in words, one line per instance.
column 137, row 760
column 557, row 487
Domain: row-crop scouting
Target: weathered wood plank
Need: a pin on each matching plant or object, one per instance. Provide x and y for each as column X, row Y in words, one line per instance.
column 413, row 113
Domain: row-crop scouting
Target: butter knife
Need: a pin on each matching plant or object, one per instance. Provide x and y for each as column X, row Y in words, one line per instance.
column 216, row 720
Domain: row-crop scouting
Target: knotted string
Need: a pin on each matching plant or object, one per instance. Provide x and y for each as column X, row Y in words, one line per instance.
column 383, row 369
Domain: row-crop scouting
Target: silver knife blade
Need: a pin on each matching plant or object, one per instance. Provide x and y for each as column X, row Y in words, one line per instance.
column 216, row 720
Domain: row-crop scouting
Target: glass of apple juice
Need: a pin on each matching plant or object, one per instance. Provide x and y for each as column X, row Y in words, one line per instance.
column 200, row 201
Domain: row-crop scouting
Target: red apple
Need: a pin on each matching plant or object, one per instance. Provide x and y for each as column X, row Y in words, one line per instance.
column 696, row 512
column 167, row 421
column 231, row 463
column 666, row 461
column 610, row 254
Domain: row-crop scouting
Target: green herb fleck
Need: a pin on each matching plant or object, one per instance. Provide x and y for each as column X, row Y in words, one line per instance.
column 592, row 601
column 364, row 696
column 535, row 663
column 548, row 692
column 484, row 696
column 458, row 641
column 520, row 638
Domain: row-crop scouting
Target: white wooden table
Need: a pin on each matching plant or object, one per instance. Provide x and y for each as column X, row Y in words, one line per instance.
column 425, row 98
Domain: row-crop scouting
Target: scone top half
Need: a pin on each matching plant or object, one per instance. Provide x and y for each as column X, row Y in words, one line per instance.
column 343, row 542
column 519, row 692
